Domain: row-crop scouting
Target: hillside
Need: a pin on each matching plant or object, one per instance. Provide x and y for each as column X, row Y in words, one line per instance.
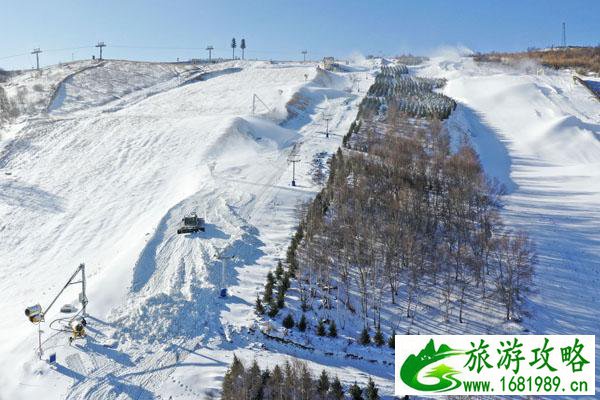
column 538, row 133
column 124, row 152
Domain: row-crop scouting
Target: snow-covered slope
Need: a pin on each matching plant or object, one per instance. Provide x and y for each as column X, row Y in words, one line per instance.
column 105, row 180
column 539, row 133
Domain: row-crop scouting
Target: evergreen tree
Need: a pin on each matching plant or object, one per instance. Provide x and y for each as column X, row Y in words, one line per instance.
column 323, row 384
column 276, row 383
column 268, row 295
column 254, row 382
column 279, row 270
column 288, row 321
column 280, row 296
column 392, row 339
column 233, row 381
column 321, row 328
column 364, row 337
column 355, row 392
column 332, row 329
column 378, row 337
column 285, row 281
column 243, row 47
column 259, row 308
column 233, row 46
column 302, row 323
column 273, row 310
column 336, row 390
column 371, row 391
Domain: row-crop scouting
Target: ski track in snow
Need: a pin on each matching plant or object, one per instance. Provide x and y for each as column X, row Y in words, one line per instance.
column 111, row 172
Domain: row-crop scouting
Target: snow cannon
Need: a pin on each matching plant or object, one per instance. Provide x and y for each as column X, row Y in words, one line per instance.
column 34, row 313
column 191, row 223
column 77, row 328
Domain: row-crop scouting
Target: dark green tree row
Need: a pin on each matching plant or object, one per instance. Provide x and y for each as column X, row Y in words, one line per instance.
column 292, row 380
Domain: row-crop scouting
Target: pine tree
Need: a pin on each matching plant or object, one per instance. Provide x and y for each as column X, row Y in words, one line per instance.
column 254, row 382
column 371, row 391
column 273, row 310
column 364, row 337
column 288, row 321
column 336, row 391
column 276, row 382
column 392, row 339
column 285, row 281
column 243, row 47
column 332, row 329
column 321, row 328
column 268, row 294
column 279, row 270
column 302, row 323
column 259, row 308
column 280, row 296
column 323, row 384
column 233, row 46
column 378, row 337
column 233, row 381
column 355, row 392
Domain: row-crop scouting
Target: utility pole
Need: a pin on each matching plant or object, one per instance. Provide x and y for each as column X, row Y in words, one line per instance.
column 564, row 35
column 37, row 57
column 210, row 49
column 327, row 118
column 100, row 45
column 304, row 52
column 293, row 159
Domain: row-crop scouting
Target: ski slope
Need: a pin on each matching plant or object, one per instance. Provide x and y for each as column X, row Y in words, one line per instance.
column 124, row 151
column 538, row 132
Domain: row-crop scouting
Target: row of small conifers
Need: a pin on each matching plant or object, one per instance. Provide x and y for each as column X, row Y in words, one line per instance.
column 414, row 96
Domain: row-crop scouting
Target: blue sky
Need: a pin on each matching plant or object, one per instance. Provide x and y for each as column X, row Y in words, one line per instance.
column 165, row 30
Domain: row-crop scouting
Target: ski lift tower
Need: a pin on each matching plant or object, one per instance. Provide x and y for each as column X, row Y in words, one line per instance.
column 293, row 159
column 327, row 118
column 223, row 258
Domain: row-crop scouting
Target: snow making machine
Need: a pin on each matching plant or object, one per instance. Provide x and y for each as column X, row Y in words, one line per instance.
column 191, row 223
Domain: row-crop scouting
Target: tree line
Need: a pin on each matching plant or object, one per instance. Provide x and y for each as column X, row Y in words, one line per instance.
column 402, row 212
column 291, row 381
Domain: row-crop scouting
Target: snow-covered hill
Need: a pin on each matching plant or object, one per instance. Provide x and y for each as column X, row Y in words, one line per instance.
column 104, row 178
column 111, row 156
column 538, row 132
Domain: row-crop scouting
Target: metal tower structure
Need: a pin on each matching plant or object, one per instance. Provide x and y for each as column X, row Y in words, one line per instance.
column 37, row 57
column 210, row 49
column 100, row 45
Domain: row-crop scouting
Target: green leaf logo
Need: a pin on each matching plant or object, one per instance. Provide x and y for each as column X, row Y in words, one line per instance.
column 413, row 365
